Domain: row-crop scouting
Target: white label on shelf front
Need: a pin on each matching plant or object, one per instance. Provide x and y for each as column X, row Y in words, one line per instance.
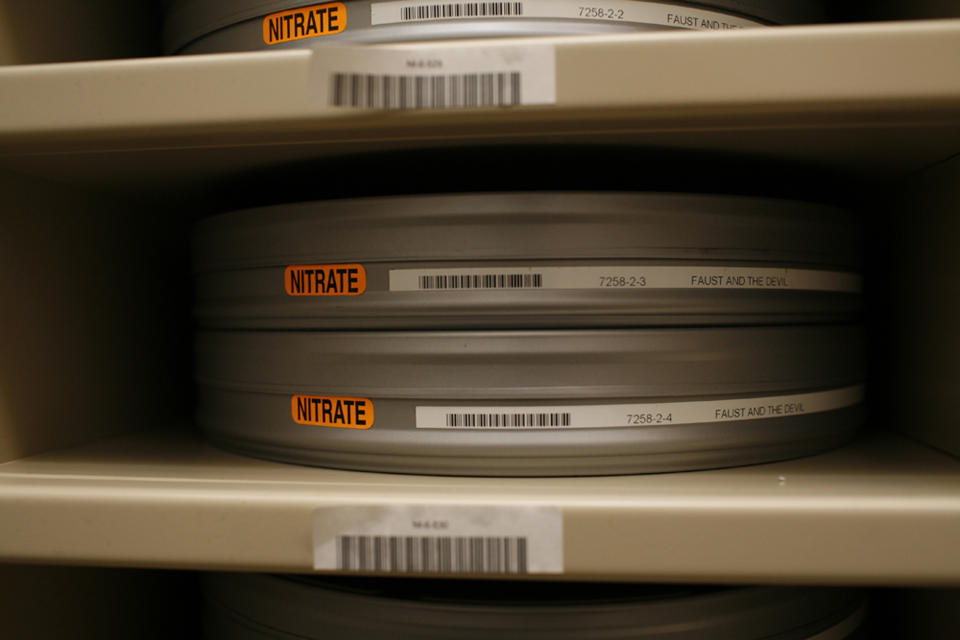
column 602, row 416
column 622, row 277
column 625, row 11
column 439, row 539
column 445, row 76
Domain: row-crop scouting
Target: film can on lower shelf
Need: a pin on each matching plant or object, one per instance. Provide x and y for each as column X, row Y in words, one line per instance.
column 528, row 402
column 541, row 259
column 254, row 607
column 213, row 26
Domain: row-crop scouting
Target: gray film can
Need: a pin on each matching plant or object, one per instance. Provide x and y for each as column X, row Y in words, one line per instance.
column 536, row 259
column 532, row 402
column 261, row 607
column 213, row 26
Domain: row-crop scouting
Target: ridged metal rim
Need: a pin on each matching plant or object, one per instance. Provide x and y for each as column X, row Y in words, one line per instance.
column 188, row 20
column 531, row 225
column 297, row 607
column 481, row 364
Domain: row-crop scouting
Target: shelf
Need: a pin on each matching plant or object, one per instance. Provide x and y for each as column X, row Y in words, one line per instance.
column 870, row 98
column 883, row 510
column 103, row 166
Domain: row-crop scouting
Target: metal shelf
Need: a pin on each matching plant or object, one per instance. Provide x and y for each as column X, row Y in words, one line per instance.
column 869, row 98
column 882, row 510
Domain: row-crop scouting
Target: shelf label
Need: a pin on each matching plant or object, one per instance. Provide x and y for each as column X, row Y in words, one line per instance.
column 331, row 411
column 625, row 11
column 325, row 279
column 447, row 76
column 601, row 416
column 306, row 22
column 439, row 539
column 623, row 277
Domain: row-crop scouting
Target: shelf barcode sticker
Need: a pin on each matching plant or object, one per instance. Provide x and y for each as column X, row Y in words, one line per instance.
column 428, row 554
column 439, row 539
column 623, row 11
column 601, row 416
column 624, row 277
column 384, row 91
column 447, row 76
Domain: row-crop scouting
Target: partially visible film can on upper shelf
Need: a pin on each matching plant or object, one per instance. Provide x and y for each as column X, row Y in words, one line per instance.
column 537, row 259
column 210, row 26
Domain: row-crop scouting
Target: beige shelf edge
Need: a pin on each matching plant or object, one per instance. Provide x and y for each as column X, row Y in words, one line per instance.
column 883, row 510
column 804, row 76
column 879, row 101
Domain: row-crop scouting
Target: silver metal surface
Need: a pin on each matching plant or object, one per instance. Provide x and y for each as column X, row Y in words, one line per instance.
column 261, row 606
column 241, row 259
column 209, row 26
column 249, row 385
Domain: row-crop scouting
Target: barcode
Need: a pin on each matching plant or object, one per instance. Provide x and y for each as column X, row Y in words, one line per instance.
column 508, row 420
column 483, row 281
column 461, row 10
column 375, row 91
column 432, row 554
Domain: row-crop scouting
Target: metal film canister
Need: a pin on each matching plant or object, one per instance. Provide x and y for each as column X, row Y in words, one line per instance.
column 529, row 403
column 540, row 259
column 212, row 26
column 260, row 607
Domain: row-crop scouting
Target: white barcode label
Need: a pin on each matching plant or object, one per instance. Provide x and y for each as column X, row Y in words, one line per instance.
column 600, row 416
column 450, row 76
column 454, row 10
column 509, row 420
column 447, row 280
column 624, row 277
column 433, row 554
column 625, row 11
column 379, row 91
column 439, row 539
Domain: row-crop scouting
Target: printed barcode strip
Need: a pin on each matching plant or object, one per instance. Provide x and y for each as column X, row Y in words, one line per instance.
column 461, row 10
column 508, row 420
column 375, row 91
column 432, row 554
column 483, row 281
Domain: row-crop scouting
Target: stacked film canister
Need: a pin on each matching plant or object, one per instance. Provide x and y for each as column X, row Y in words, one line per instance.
column 275, row 608
column 528, row 334
column 215, row 26
column 520, row 334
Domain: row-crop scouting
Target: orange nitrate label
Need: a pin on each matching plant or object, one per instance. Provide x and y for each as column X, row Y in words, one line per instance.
column 325, row 279
column 305, row 22
column 332, row 411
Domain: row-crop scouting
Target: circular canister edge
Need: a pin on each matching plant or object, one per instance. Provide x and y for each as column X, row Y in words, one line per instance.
column 193, row 26
column 665, row 249
column 373, row 609
column 585, row 402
